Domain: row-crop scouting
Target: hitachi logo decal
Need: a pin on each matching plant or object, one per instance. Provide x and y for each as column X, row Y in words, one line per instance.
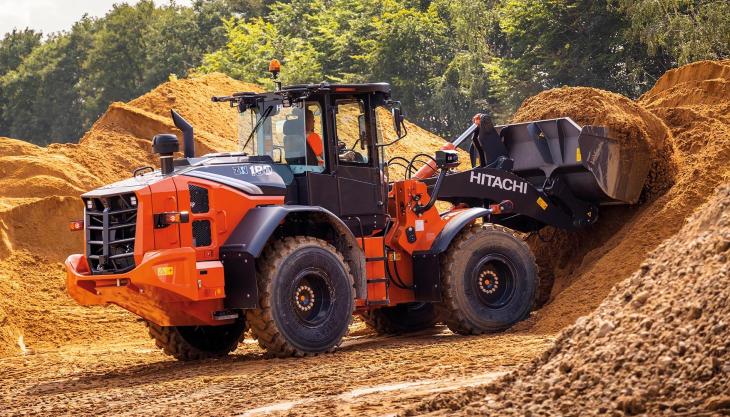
column 506, row 184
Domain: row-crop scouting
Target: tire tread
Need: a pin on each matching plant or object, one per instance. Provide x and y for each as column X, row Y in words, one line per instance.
column 261, row 320
column 448, row 309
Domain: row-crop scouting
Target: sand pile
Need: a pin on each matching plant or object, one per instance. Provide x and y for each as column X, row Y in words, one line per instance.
column 657, row 344
column 585, row 265
column 629, row 124
column 39, row 189
column 694, row 101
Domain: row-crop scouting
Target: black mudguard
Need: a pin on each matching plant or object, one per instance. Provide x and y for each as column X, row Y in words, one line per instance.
column 249, row 238
column 427, row 264
column 454, row 226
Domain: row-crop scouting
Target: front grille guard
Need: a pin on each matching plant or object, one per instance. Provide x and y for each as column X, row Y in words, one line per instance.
column 110, row 233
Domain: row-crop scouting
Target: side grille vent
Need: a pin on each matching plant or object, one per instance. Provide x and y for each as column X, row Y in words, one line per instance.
column 198, row 199
column 110, row 231
column 201, row 233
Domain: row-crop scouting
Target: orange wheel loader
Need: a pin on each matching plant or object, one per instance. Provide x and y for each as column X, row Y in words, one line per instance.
column 302, row 228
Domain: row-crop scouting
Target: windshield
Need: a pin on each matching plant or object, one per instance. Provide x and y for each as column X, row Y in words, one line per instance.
column 290, row 135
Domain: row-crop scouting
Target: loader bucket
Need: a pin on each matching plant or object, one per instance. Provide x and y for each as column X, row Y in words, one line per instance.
column 595, row 167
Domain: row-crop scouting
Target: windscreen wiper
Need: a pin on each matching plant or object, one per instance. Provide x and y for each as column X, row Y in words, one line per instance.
column 256, row 127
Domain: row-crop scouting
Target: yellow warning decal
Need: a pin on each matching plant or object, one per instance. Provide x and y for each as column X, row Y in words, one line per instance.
column 164, row 271
column 577, row 155
column 540, row 202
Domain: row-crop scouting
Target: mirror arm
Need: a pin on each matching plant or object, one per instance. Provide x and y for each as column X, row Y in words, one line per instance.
column 405, row 133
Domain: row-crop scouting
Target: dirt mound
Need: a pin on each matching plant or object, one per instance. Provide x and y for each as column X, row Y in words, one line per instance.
column 35, row 305
column 628, row 122
column 191, row 98
column 560, row 254
column 700, row 72
column 657, row 344
column 30, row 170
column 585, row 265
column 698, row 112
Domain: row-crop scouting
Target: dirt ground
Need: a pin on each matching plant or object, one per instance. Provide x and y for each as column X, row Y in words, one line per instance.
column 369, row 375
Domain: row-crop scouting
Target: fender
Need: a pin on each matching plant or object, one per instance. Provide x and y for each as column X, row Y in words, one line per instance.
column 249, row 238
column 427, row 264
column 454, row 226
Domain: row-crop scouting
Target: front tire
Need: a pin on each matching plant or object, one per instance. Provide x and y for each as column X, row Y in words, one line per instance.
column 403, row 318
column 489, row 279
column 306, row 298
column 187, row 343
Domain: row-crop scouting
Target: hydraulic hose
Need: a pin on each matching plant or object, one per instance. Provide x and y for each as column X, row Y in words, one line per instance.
column 418, row 209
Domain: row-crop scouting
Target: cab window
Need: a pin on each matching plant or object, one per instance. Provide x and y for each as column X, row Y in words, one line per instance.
column 289, row 134
column 351, row 128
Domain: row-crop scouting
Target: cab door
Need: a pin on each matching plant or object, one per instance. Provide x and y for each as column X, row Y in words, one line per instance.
column 358, row 174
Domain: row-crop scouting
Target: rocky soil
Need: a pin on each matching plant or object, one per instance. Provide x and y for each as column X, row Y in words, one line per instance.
column 658, row 345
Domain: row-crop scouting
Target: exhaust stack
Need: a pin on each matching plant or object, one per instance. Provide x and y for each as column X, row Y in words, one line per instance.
column 187, row 130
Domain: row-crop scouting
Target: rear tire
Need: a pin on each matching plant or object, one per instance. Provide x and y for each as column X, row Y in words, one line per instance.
column 403, row 318
column 489, row 279
column 187, row 343
column 306, row 298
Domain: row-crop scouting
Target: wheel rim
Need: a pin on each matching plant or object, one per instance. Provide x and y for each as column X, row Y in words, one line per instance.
column 311, row 298
column 493, row 280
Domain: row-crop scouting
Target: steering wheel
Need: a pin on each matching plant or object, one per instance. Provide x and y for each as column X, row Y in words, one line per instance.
column 349, row 155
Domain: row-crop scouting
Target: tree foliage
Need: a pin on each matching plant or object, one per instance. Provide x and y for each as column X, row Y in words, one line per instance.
column 445, row 60
column 685, row 30
column 53, row 89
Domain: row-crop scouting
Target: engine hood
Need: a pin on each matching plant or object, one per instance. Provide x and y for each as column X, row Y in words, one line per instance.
column 251, row 175
column 126, row 186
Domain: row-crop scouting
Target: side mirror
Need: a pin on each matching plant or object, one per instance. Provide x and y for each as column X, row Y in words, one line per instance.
column 398, row 125
column 398, row 121
column 363, row 130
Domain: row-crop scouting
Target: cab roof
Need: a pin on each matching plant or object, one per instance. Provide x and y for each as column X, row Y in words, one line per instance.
column 298, row 91
column 340, row 88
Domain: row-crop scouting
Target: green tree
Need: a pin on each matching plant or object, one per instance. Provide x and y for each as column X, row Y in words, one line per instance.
column 685, row 30
column 174, row 44
column 116, row 63
column 411, row 49
column 561, row 42
column 15, row 46
column 43, row 104
column 252, row 44
column 469, row 83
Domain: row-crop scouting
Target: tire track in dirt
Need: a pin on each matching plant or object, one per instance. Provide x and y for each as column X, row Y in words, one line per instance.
column 133, row 378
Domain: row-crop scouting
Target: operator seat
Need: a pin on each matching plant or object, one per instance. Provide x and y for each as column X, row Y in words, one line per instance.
column 294, row 142
column 296, row 149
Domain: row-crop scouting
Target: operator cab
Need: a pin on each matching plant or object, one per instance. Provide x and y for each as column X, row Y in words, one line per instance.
column 325, row 141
